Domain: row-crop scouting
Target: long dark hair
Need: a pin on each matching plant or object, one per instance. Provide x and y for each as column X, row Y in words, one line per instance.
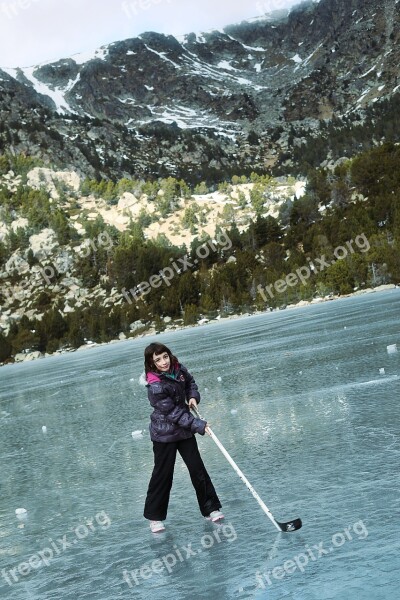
column 156, row 349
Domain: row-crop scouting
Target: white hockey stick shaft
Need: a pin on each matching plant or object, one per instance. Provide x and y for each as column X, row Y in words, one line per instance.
column 240, row 473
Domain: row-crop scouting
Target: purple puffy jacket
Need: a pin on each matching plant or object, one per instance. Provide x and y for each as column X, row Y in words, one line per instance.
column 171, row 419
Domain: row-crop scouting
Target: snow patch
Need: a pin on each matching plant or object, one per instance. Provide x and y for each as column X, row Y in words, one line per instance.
column 369, row 71
column 57, row 94
column 252, row 48
column 363, row 95
column 312, row 54
column 200, row 38
column 162, row 56
column 84, row 57
column 224, row 64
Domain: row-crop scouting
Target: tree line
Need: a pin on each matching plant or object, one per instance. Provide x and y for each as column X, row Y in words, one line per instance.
column 360, row 196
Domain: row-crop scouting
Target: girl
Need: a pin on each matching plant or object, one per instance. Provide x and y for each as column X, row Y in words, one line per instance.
column 172, row 429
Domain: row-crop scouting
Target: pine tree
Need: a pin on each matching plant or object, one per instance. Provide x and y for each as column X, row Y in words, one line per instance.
column 5, row 347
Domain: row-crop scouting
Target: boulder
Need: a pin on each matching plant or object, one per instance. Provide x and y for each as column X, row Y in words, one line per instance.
column 40, row 177
column 23, row 357
column 136, row 325
column 43, row 243
column 16, row 263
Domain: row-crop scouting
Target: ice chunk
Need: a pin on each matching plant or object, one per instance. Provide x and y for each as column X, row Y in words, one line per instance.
column 137, row 434
column 44, row 429
column 219, row 379
column 381, row 371
column 391, row 349
column 21, row 513
column 233, row 411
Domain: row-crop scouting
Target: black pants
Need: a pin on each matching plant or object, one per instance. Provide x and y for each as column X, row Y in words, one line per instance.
column 156, row 505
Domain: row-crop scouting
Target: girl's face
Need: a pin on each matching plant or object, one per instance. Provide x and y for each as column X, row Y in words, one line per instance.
column 162, row 361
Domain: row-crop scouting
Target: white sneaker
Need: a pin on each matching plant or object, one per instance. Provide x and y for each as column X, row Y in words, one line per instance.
column 157, row 526
column 215, row 515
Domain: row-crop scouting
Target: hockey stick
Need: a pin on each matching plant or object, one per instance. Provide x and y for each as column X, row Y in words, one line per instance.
column 290, row 525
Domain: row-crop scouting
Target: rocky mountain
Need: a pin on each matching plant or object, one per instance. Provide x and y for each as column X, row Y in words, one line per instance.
column 37, row 267
column 207, row 105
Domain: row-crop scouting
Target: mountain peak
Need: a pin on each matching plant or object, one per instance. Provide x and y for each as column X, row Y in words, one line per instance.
column 207, row 103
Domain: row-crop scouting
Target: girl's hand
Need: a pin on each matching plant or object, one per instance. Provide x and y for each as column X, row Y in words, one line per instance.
column 192, row 403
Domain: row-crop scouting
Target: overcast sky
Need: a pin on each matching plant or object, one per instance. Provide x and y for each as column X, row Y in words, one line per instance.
column 35, row 31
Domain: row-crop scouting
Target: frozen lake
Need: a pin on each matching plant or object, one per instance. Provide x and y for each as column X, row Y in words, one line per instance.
column 305, row 409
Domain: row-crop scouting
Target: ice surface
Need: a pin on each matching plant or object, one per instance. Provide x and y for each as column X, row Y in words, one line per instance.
column 324, row 447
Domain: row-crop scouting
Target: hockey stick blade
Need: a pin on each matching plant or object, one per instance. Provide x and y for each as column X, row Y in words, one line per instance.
column 291, row 525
